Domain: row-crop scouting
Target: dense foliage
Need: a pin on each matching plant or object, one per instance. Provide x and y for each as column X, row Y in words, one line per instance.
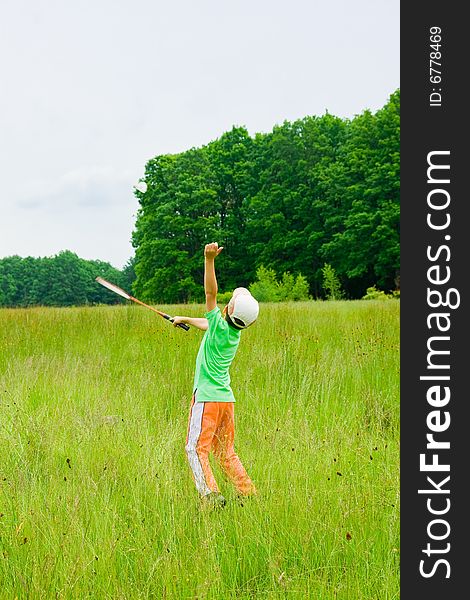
column 61, row 280
column 321, row 190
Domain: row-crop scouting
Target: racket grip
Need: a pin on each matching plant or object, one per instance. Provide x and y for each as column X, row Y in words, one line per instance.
column 182, row 325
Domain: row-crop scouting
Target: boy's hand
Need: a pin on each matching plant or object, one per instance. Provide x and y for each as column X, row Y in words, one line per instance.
column 177, row 320
column 212, row 250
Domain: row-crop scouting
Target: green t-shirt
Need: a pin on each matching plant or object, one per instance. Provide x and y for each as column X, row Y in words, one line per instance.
column 216, row 353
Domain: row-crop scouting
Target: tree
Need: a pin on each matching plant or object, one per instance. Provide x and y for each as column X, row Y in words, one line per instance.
column 331, row 283
column 365, row 244
column 320, row 189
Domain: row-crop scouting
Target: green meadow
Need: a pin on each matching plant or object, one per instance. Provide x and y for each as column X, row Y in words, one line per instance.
column 96, row 497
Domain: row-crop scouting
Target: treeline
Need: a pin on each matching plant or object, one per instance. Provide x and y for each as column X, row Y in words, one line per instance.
column 61, row 280
column 321, row 190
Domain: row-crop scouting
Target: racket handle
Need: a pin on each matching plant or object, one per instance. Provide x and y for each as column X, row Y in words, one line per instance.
column 182, row 325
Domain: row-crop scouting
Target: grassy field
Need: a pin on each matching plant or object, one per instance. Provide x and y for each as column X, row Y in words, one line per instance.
column 96, row 497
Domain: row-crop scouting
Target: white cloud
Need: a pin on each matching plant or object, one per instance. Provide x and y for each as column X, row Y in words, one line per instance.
column 84, row 187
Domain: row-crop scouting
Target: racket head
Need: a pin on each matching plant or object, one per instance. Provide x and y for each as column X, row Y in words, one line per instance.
column 114, row 288
column 117, row 290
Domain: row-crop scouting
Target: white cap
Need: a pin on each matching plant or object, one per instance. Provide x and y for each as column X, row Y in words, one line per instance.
column 245, row 310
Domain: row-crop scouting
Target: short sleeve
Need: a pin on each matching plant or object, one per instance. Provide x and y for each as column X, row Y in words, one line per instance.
column 212, row 314
column 215, row 320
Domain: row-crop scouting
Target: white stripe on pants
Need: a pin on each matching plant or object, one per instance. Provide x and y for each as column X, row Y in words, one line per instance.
column 195, row 426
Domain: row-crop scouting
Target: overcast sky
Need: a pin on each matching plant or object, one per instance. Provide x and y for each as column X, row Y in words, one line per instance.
column 90, row 90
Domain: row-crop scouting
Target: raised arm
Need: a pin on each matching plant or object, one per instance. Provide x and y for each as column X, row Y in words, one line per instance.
column 210, row 280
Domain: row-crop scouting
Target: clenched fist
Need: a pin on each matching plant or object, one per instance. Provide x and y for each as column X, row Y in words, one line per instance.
column 212, row 250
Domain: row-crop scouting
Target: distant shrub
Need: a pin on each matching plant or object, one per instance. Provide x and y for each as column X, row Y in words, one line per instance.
column 331, row 283
column 285, row 286
column 224, row 297
column 374, row 294
column 300, row 289
column 267, row 288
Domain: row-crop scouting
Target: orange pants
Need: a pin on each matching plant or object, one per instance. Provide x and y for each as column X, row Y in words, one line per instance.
column 211, row 427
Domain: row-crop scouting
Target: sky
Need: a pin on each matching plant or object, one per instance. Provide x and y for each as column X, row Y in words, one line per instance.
column 91, row 90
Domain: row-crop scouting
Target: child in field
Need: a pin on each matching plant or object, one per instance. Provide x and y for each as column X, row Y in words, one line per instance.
column 211, row 418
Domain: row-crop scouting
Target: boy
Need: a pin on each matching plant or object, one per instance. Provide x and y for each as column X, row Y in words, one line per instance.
column 211, row 418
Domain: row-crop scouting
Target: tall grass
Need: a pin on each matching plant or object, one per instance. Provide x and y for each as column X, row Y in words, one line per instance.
column 96, row 498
